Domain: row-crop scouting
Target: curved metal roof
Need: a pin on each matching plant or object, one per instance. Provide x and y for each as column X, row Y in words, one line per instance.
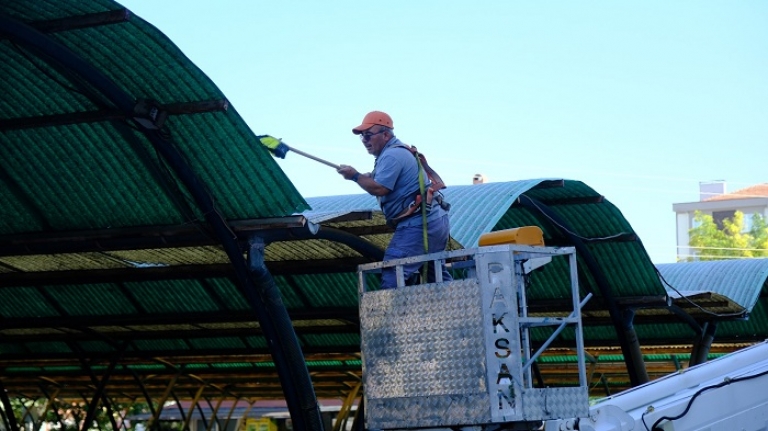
column 123, row 172
column 610, row 254
column 71, row 159
column 110, row 139
column 567, row 211
column 741, row 280
column 744, row 281
column 576, row 208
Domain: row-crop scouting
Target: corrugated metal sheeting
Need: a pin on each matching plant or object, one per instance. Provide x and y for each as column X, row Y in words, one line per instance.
column 71, row 161
column 568, row 210
column 741, row 280
column 104, row 246
column 106, row 251
column 478, row 209
column 744, row 281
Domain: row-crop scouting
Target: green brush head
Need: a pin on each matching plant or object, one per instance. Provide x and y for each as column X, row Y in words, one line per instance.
column 274, row 145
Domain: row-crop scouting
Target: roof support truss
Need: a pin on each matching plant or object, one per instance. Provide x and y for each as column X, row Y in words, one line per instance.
column 282, row 339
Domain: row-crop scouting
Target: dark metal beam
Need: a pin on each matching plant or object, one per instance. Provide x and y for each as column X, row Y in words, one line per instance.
column 347, row 314
column 180, row 354
column 101, row 115
column 597, row 304
column 60, row 120
column 121, row 275
column 81, row 21
column 550, row 184
column 176, row 272
column 123, row 377
column 188, row 334
column 574, row 201
column 133, row 238
column 368, row 230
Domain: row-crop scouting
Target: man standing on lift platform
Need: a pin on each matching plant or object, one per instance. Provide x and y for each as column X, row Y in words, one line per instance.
column 396, row 181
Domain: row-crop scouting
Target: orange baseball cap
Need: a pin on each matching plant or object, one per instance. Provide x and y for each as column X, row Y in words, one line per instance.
column 374, row 118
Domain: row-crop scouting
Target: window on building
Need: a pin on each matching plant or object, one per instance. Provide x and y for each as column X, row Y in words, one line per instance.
column 719, row 216
column 748, row 222
column 695, row 222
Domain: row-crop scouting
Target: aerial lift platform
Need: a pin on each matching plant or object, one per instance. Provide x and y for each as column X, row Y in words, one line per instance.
column 457, row 354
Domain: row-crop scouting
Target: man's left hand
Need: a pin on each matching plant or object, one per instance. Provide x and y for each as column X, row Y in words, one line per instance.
column 347, row 171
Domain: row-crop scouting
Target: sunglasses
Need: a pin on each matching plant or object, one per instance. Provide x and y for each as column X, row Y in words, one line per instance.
column 367, row 135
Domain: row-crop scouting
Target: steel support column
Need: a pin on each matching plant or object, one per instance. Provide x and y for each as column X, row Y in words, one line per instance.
column 8, row 417
column 161, row 402
column 86, row 403
column 628, row 318
column 191, row 410
column 343, row 416
column 291, row 350
column 702, row 344
column 232, row 410
column 178, row 406
column 50, row 400
column 215, row 410
column 28, row 411
column 121, row 415
column 143, row 389
column 101, row 386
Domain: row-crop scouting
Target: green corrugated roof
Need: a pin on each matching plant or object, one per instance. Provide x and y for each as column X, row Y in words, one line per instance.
column 478, row 209
column 103, row 248
column 98, row 171
column 84, row 190
column 606, row 234
column 742, row 280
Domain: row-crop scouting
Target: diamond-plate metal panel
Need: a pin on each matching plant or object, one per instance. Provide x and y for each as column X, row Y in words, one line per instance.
column 422, row 349
column 425, row 361
column 455, row 354
column 409, row 413
column 555, row 403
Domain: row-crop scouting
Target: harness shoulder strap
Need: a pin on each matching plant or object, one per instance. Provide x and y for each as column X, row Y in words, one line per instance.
column 434, row 178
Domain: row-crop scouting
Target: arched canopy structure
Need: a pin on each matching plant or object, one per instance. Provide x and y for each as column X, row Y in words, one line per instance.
column 116, row 148
column 744, row 281
column 131, row 193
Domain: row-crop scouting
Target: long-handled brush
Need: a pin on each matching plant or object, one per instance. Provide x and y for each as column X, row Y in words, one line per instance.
column 278, row 148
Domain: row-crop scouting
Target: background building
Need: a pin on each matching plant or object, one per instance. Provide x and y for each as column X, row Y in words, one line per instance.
column 717, row 202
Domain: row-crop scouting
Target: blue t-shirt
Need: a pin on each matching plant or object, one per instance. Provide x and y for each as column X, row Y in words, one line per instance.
column 396, row 169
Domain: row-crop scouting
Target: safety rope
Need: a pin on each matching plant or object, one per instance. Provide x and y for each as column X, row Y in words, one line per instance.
column 425, row 237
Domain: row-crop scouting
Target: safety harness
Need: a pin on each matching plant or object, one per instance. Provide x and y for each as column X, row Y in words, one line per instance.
column 426, row 195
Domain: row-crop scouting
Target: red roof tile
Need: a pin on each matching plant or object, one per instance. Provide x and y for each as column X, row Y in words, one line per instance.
column 756, row 191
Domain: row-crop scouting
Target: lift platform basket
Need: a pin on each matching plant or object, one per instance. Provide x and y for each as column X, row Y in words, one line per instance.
column 458, row 353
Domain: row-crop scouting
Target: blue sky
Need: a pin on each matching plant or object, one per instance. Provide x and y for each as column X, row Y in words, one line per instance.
column 639, row 100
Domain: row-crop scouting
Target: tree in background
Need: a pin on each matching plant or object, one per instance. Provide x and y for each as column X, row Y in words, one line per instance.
column 759, row 233
column 732, row 241
column 62, row 415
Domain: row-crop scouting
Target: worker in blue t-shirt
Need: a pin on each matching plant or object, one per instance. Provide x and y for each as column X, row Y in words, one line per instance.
column 395, row 183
